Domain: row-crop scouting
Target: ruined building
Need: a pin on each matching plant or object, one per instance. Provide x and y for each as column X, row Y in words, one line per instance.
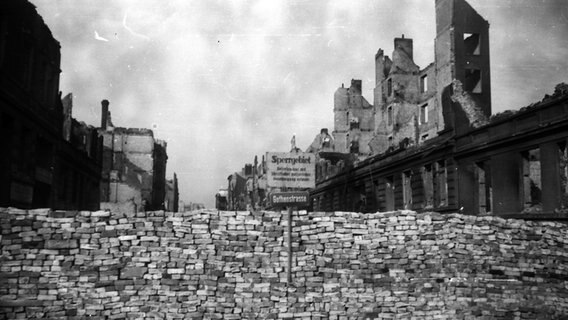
column 245, row 189
column 429, row 142
column 237, row 194
column 133, row 167
column 408, row 103
column 51, row 160
column 354, row 120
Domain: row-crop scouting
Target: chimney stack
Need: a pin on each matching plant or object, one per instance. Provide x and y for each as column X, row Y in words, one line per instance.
column 104, row 114
column 405, row 44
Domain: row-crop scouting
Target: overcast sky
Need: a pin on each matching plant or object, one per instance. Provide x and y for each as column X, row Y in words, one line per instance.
column 223, row 81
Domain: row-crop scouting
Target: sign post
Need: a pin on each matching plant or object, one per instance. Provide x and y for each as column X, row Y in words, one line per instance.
column 290, row 209
column 290, row 171
column 291, row 200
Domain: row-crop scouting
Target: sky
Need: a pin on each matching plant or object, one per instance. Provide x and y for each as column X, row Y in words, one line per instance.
column 224, row 80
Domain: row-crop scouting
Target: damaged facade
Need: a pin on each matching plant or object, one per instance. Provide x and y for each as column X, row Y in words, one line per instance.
column 246, row 189
column 240, row 186
column 51, row 160
column 133, row 167
column 429, row 141
column 408, row 101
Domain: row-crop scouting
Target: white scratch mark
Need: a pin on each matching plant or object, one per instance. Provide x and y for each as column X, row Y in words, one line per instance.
column 132, row 31
column 97, row 37
column 287, row 77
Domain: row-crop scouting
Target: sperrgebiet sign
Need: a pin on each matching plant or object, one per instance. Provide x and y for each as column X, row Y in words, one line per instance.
column 291, row 170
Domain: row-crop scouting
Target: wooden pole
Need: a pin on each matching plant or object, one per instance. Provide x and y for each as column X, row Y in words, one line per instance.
column 289, row 245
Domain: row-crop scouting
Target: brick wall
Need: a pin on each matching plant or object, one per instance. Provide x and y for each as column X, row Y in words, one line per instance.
column 232, row 265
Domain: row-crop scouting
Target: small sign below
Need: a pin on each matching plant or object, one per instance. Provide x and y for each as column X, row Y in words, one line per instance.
column 290, row 199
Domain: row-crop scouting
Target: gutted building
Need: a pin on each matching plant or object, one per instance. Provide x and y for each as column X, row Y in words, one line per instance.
column 435, row 145
column 51, row 160
column 133, row 167
column 408, row 101
column 515, row 163
column 247, row 189
column 354, row 120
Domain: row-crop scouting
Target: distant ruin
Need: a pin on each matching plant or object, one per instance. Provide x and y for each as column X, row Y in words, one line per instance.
column 429, row 141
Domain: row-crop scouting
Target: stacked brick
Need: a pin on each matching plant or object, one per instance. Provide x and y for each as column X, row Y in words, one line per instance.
column 234, row 265
column 408, row 265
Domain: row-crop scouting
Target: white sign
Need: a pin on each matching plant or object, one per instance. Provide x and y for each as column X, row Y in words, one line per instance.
column 291, row 170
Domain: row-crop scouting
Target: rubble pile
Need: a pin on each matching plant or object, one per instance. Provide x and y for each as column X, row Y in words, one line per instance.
column 234, row 265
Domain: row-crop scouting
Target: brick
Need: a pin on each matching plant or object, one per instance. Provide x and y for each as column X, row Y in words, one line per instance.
column 61, row 244
column 133, row 272
column 100, row 214
column 230, row 274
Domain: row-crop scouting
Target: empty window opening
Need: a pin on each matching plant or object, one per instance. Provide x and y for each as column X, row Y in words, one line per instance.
column 428, row 186
column 532, row 184
column 441, row 181
column 424, row 114
column 563, row 172
column 359, row 199
column 354, row 147
column 390, row 139
column 377, row 193
column 354, row 123
column 389, row 193
column 336, row 200
column 471, row 44
column 407, row 189
column 484, row 187
column 424, row 137
column 424, row 83
column 473, row 80
column 389, row 87
column 390, row 116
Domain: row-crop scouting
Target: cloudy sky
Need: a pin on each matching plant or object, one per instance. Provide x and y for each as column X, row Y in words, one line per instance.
column 223, row 81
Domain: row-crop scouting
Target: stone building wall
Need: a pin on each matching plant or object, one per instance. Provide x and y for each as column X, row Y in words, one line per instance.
column 354, row 121
column 47, row 155
column 412, row 105
column 134, row 167
column 233, row 265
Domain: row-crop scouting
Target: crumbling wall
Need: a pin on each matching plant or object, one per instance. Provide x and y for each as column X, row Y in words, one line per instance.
column 128, row 206
column 472, row 110
column 354, row 119
column 403, row 127
column 402, row 90
column 128, row 166
column 232, row 265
